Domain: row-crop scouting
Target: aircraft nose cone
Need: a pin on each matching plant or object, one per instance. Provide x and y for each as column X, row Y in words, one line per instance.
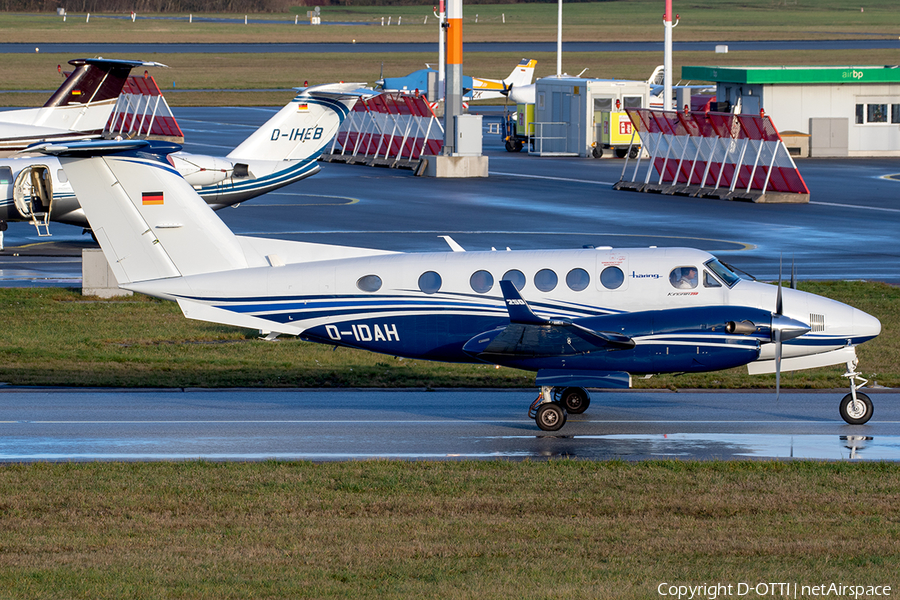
column 865, row 326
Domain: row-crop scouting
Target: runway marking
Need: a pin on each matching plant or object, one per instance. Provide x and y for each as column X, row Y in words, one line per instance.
column 854, row 206
column 547, row 177
column 351, row 200
column 262, row 456
column 444, row 421
column 568, row 179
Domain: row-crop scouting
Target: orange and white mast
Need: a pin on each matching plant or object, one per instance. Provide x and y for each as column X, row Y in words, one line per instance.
column 453, row 98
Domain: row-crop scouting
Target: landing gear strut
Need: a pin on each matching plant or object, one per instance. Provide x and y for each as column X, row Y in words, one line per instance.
column 550, row 408
column 856, row 408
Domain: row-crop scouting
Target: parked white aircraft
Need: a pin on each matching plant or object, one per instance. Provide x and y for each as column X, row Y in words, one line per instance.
column 284, row 150
column 475, row 88
column 79, row 109
column 579, row 318
column 490, row 89
column 525, row 94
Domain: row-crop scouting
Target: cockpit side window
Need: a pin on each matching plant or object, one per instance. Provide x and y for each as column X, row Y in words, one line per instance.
column 684, row 278
column 722, row 272
column 709, row 280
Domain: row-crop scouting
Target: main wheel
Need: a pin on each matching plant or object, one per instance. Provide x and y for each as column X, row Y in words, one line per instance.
column 575, row 400
column 550, row 416
column 597, row 152
column 633, row 153
column 856, row 413
column 513, row 146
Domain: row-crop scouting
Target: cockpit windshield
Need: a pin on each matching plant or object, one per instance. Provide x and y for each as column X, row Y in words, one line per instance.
column 722, row 272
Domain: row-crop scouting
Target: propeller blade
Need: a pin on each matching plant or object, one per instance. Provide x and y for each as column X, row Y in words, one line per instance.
column 778, row 304
column 793, row 274
column 777, row 364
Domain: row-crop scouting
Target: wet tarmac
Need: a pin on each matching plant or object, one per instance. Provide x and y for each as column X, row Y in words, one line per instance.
column 847, row 231
column 249, row 425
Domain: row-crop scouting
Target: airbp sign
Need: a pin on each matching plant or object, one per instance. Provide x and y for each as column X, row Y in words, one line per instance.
column 855, row 74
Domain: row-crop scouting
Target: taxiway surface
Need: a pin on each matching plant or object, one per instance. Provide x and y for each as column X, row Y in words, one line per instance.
column 847, row 231
column 118, row 425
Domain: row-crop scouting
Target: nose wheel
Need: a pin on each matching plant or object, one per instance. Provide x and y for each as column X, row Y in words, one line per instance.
column 856, row 411
column 856, row 408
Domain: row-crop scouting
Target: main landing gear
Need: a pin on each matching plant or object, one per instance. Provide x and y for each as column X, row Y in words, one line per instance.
column 551, row 407
column 856, row 408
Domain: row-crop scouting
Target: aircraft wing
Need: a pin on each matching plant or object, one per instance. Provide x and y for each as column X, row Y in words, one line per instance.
column 530, row 335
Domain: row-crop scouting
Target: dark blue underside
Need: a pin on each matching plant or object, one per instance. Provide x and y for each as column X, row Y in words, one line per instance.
column 694, row 340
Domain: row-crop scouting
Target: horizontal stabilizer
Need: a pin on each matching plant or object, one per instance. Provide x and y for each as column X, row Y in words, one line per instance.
column 88, row 148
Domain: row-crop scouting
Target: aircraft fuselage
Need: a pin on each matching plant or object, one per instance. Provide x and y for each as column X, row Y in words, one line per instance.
column 449, row 307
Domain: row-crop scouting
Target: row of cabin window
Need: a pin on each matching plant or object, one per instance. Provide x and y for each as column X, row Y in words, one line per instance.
column 482, row 281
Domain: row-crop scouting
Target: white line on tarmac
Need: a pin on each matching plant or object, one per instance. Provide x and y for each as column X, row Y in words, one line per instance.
column 553, row 178
column 836, row 204
column 855, row 206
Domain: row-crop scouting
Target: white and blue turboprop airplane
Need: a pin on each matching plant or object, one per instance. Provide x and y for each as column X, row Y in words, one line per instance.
column 284, row 150
column 579, row 318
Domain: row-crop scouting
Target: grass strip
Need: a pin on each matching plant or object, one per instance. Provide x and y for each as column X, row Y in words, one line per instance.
column 631, row 20
column 197, row 79
column 56, row 337
column 385, row 529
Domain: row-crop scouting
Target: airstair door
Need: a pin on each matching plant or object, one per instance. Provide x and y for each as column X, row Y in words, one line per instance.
column 33, row 196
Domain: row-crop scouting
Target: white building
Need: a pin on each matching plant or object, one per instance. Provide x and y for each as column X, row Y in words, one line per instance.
column 845, row 111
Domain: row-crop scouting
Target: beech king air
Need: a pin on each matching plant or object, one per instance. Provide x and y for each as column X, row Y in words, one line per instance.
column 79, row 109
column 578, row 318
column 284, row 150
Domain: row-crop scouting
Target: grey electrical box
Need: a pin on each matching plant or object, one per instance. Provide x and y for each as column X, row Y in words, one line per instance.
column 468, row 135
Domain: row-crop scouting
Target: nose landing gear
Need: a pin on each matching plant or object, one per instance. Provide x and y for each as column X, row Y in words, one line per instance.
column 856, row 408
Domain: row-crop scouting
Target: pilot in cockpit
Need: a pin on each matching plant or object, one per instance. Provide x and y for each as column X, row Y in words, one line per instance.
column 684, row 278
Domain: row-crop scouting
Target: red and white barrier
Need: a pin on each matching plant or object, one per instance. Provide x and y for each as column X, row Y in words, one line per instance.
column 142, row 111
column 388, row 129
column 721, row 155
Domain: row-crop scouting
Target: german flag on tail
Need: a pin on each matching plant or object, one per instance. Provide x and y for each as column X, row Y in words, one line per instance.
column 152, row 198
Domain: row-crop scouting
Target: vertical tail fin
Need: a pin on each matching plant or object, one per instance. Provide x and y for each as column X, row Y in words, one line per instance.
column 91, row 90
column 523, row 74
column 658, row 77
column 303, row 128
column 146, row 217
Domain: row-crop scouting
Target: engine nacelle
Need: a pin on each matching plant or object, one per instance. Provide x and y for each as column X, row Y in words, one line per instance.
column 200, row 170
